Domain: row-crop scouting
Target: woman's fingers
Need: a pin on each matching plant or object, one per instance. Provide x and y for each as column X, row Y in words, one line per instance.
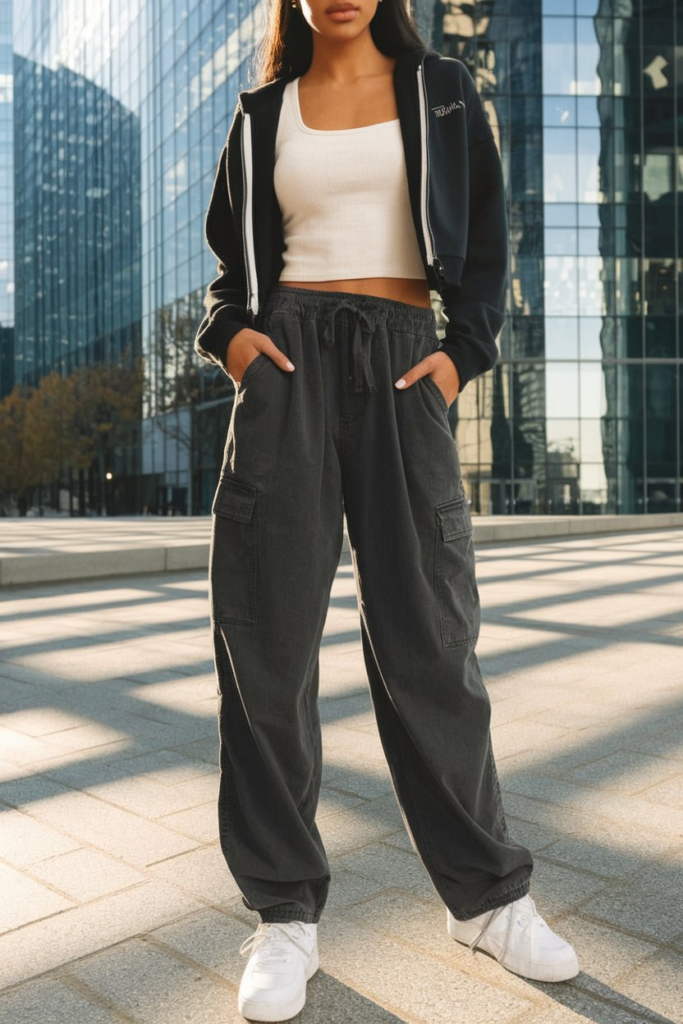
column 268, row 346
column 443, row 369
column 420, row 369
column 245, row 346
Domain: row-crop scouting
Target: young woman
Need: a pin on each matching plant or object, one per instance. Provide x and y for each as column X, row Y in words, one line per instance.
column 360, row 174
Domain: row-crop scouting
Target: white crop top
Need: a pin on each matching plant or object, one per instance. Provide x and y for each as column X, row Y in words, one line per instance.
column 344, row 200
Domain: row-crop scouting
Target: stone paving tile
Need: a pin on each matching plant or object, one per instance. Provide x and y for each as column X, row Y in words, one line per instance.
column 330, row 1001
column 589, row 764
column 420, row 925
column 557, row 889
column 205, row 749
column 147, row 734
column 348, row 886
column 25, row 841
column 148, row 799
column 25, row 899
column 506, row 709
column 648, row 905
column 581, row 1008
column 399, row 839
column 40, row 720
column 580, row 715
column 343, row 744
column 368, row 781
column 614, row 806
column 9, row 771
column 200, row 823
column 333, row 799
column 167, row 710
column 625, row 770
column 85, row 737
column 20, row 749
column 569, row 821
column 530, row 834
column 167, row 767
column 669, row 793
column 24, row 789
column 514, row 737
column 150, row 985
column 361, row 824
column 118, row 778
column 34, row 681
column 111, row 829
column 210, row 938
column 609, row 850
column 429, row 991
column 107, row 660
column 606, row 954
column 658, row 983
column 345, row 708
column 666, row 744
column 51, row 1002
column 86, row 874
column 45, row 945
column 391, row 867
column 561, row 759
column 201, row 873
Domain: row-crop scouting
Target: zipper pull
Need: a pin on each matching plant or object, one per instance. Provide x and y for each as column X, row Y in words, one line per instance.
column 439, row 267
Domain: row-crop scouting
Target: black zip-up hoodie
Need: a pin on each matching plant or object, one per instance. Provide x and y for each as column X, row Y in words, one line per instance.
column 457, row 198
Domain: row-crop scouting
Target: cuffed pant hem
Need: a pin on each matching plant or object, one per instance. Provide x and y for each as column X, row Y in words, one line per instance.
column 285, row 913
column 500, row 900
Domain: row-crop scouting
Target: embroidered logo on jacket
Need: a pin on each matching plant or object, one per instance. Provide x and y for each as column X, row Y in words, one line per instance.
column 447, row 108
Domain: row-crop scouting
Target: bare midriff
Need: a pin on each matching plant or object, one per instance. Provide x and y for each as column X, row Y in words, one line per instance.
column 402, row 289
column 378, row 97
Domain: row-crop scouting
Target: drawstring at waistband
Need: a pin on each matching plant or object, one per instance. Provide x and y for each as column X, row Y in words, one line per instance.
column 360, row 349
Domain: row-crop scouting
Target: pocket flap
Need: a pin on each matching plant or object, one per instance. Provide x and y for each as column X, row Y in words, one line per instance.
column 234, row 500
column 455, row 518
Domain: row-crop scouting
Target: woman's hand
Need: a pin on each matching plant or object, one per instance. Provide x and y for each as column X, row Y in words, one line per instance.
column 244, row 347
column 443, row 372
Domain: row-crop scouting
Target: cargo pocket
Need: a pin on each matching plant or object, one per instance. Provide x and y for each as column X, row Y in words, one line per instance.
column 454, row 573
column 234, row 555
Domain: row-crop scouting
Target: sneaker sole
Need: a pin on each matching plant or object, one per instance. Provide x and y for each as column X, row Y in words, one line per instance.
column 537, row 972
column 252, row 1009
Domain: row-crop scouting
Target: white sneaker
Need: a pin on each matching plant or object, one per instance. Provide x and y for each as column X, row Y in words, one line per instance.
column 283, row 955
column 519, row 939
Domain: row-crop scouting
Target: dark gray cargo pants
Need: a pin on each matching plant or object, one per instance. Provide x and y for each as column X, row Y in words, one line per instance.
column 304, row 446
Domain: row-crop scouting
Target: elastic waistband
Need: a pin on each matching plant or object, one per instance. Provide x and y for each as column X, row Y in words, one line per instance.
column 319, row 302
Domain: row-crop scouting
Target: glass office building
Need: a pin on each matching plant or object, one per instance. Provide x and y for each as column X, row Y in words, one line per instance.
column 120, row 112
column 583, row 413
column 6, row 201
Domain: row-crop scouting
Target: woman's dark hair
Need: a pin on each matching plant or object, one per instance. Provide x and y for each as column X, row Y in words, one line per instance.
column 286, row 48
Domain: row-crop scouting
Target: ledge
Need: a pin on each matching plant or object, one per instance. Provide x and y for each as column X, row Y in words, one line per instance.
column 51, row 550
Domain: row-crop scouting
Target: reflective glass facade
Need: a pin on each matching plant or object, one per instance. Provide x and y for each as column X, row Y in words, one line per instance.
column 6, row 201
column 583, row 413
column 120, row 112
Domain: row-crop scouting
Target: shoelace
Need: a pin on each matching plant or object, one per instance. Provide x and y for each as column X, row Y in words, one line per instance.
column 496, row 913
column 278, row 937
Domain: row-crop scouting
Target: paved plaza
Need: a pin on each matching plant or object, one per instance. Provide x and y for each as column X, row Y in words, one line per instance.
column 116, row 902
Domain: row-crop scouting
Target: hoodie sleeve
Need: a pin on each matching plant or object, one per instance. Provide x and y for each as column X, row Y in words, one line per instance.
column 475, row 309
column 225, row 300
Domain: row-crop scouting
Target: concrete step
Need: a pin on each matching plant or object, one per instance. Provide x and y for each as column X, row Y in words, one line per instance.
column 48, row 550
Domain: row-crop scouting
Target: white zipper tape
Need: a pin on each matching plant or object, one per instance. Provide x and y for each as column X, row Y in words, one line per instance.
column 247, row 220
column 426, row 229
